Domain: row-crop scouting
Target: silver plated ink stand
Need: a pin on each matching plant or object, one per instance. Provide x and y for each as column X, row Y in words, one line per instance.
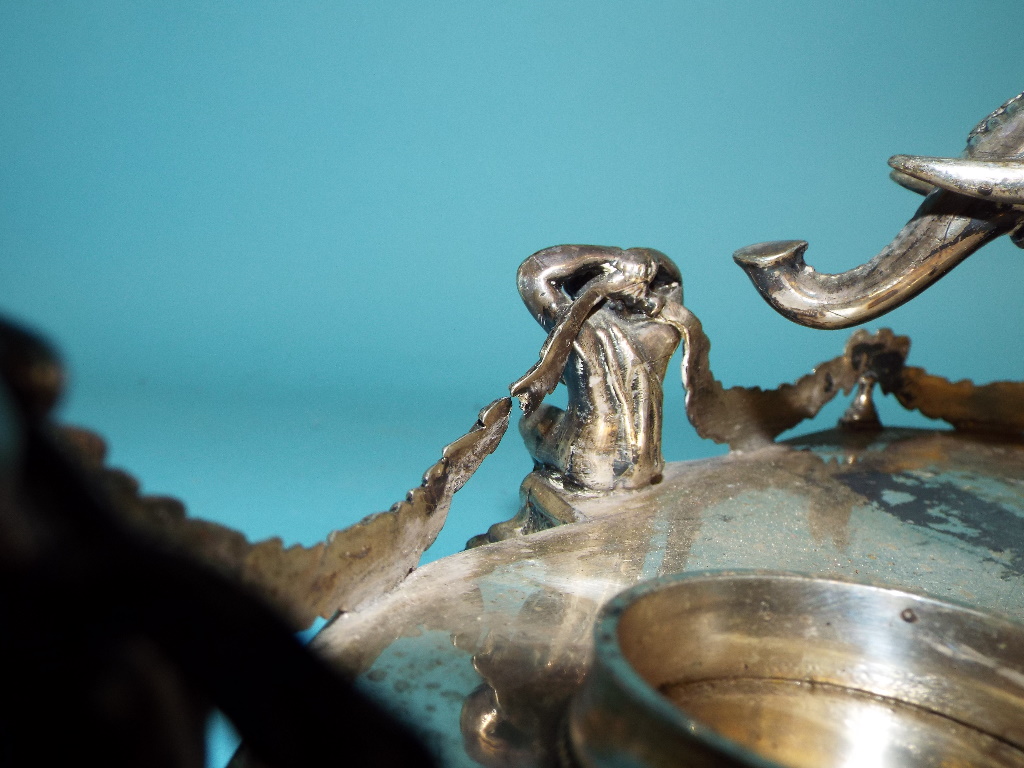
column 852, row 597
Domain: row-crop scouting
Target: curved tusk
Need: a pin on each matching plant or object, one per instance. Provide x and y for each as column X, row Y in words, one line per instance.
column 1000, row 181
column 946, row 229
column 909, row 182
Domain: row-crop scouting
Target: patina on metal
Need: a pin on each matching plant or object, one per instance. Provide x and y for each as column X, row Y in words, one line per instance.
column 746, row 418
column 607, row 343
column 350, row 567
column 999, row 181
column 750, row 417
column 969, row 203
column 608, row 438
column 600, row 306
column 498, row 639
column 614, row 318
column 758, row 669
column 482, row 651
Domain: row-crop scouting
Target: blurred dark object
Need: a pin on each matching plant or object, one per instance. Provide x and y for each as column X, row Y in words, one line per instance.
column 115, row 647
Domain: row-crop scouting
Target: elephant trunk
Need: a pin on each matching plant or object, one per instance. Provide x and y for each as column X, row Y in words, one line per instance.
column 970, row 201
column 946, row 229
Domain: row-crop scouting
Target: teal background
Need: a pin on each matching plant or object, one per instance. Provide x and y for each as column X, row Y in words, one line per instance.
column 276, row 242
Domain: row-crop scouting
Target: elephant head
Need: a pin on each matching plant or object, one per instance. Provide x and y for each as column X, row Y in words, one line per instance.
column 969, row 202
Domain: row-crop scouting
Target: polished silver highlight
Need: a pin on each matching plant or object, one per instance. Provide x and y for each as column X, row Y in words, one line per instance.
column 614, row 318
column 998, row 181
column 491, row 653
column 969, row 203
column 769, row 670
column 600, row 307
column 483, row 650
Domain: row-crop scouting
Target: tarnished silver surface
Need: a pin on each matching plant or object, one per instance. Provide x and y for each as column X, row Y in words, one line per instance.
column 614, row 318
column 768, row 669
column 750, row 417
column 600, row 307
column 973, row 201
column 348, row 568
column 999, row 181
column 482, row 651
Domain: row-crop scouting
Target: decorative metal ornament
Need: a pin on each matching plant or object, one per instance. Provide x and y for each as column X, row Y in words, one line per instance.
column 491, row 653
column 969, row 202
column 851, row 597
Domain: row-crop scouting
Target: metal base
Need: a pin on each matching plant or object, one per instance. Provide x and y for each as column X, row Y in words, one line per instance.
column 482, row 651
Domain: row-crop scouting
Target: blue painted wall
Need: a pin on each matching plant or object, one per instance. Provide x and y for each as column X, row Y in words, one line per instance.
column 277, row 241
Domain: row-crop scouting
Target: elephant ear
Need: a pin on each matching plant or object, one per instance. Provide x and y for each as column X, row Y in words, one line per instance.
column 1000, row 136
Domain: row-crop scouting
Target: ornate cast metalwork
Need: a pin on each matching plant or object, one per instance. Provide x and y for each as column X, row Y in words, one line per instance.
column 969, row 203
column 348, row 568
column 600, row 306
column 504, row 632
column 506, row 629
column 483, row 650
column 750, row 417
column 614, row 318
column 998, row 181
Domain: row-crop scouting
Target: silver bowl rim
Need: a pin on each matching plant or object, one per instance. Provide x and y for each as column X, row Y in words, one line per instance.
column 608, row 652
